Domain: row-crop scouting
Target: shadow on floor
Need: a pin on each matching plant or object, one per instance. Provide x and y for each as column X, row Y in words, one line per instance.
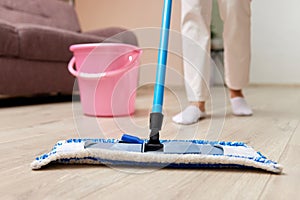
column 127, row 169
column 36, row 100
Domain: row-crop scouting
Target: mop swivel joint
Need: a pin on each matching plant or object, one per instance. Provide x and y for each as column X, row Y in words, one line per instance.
column 154, row 144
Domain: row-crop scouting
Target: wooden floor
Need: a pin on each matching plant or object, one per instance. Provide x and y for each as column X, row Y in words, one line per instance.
column 274, row 130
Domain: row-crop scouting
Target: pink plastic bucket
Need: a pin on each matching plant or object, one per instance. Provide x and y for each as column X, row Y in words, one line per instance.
column 107, row 75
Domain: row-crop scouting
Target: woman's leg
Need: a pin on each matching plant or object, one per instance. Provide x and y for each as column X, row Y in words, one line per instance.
column 236, row 15
column 195, row 29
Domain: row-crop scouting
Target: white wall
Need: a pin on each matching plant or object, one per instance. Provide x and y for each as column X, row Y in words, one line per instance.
column 275, row 41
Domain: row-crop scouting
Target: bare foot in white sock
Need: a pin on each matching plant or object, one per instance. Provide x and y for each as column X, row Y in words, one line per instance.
column 240, row 107
column 189, row 115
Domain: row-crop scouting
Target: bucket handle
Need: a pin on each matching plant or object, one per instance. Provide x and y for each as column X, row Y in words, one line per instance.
column 103, row 74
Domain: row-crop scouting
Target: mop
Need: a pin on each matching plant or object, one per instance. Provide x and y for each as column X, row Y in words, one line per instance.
column 153, row 152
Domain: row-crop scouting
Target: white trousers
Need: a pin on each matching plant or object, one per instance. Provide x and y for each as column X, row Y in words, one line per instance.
column 195, row 28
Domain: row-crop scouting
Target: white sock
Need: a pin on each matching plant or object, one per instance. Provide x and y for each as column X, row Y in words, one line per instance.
column 190, row 115
column 240, row 107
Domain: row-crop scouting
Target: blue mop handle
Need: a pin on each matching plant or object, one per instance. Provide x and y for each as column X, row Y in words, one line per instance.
column 158, row 96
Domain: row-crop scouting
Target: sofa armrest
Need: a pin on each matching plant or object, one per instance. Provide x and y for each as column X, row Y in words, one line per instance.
column 9, row 44
column 50, row 44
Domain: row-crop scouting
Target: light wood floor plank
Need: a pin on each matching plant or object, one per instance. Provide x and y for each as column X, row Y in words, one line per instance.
column 20, row 117
column 288, row 183
column 28, row 131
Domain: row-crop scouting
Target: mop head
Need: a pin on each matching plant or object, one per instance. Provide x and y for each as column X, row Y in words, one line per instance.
column 234, row 155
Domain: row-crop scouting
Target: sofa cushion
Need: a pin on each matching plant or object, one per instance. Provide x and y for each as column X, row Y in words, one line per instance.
column 24, row 77
column 52, row 13
column 9, row 42
column 50, row 44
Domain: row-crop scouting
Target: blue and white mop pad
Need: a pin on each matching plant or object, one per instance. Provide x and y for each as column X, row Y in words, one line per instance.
column 175, row 154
